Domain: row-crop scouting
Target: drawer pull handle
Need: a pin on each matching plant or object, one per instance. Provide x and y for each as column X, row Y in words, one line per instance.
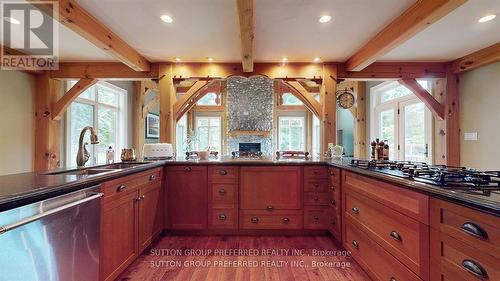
column 141, row 197
column 222, row 172
column 333, row 203
column 316, row 185
column 254, row 219
column 393, row 279
column 187, row 169
column 152, row 178
column 121, row 188
column 355, row 210
column 222, row 191
column 395, row 235
column 222, row 217
column 474, row 268
column 332, row 188
column 315, row 198
column 270, row 208
column 355, row 244
column 332, row 174
column 316, row 219
column 334, row 222
column 285, row 220
column 474, row 230
column 315, row 172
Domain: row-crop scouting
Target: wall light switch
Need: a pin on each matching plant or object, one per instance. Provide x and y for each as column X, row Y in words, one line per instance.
column 470, row 136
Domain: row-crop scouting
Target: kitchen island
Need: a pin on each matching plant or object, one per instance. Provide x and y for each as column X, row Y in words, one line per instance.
column 395, row 227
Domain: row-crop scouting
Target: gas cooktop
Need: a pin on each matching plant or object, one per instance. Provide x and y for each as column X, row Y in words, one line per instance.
column 446, row 177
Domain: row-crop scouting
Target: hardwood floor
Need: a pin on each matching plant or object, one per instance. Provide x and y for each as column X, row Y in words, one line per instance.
column 277, row 258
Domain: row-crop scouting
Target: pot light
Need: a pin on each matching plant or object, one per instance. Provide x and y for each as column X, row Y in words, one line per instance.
column 487, row 18
column 166, row 18
column 12, row 20
column 210, row 59
column 177, row 59
column 325, row 19
column 284, row 59
column 317, row 59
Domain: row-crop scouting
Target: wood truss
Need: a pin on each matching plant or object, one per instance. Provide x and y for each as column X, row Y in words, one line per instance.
column 415, row 19
column 161, row 77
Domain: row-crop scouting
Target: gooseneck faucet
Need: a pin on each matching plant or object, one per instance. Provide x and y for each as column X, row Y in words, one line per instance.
column 82, row 156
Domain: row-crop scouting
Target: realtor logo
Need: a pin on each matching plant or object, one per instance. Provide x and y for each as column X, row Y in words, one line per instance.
column 29, row 35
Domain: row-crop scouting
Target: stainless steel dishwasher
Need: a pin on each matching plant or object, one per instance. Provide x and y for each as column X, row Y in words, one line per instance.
column 55, row 239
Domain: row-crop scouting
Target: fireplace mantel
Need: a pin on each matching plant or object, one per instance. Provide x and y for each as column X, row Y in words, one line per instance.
column 236, row 133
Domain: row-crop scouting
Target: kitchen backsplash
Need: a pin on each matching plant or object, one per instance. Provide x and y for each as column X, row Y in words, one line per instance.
column 250, row 107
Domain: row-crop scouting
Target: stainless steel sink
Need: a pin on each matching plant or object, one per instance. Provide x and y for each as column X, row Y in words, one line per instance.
column 123, row 165
column 83, row 172
column 98, row 170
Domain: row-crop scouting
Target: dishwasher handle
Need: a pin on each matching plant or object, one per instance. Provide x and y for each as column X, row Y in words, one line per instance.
column 8, row 227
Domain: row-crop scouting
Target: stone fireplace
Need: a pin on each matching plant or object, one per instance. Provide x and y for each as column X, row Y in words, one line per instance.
column 250, row 108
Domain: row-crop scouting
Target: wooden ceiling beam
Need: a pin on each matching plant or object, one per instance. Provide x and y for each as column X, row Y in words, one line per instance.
column 183, row 104
column 394, row 71
column 101, row 70
column 246, row 21
column 64, row 102
column 306, row 97
column 477, row 59
column 80, row 21
column 415, row 19
column 436, row 108
column 149, row 106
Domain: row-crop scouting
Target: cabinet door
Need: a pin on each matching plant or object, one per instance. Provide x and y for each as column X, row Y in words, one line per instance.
column 187, row 197
column 118, row 235
column 150, row 214
column 269, row 188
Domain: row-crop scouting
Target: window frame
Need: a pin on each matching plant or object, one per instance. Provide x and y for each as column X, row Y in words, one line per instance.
column 305, row 123
column 398, row 105
column 205, row 114
column 121, row 128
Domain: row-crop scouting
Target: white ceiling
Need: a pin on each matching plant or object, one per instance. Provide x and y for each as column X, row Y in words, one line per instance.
column 454, row 36
column 208, row 28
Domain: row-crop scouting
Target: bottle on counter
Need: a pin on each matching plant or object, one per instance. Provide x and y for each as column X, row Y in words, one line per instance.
column 110, row 155
column 374, row 150
column 385, row 151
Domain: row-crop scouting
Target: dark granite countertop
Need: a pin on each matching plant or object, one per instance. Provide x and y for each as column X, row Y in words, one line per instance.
column 20, row 189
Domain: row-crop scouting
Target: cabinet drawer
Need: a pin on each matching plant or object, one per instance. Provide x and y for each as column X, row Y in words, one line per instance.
column 223, row 218
column 315, row 172
column 477, row 229
column 130, row 183
column 334, row 175
column 317, row 199
column 284, row 219
column 453, row 259
column 316, row 217
column 403, row 237
column 223, row 173
column 407, row 202
column 377, row 262
column 223, row 194
column 317, row 186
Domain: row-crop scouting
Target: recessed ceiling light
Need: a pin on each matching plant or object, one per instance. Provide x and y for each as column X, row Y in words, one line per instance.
column 177, row 59
column 210, row 59
column 284, row 59
column 12, row 20
column 166, row 18
column 317, row 59
column 325, row 19
column 487, row 18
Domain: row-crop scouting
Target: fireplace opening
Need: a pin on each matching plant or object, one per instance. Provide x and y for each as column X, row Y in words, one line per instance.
column 249, row 146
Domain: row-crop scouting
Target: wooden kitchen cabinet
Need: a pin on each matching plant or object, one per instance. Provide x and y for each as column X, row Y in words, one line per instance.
column 150, row 214
column 271, row 188
column 187, row 197
column 130, row 219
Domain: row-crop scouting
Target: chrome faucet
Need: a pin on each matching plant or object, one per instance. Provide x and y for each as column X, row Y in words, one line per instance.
column 82, row 156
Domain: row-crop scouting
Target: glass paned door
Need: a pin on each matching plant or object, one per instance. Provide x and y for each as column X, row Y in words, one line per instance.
column 388, row 129
column 415, row 132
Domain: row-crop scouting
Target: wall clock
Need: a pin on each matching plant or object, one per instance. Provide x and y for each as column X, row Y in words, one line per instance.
column 345, row 99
